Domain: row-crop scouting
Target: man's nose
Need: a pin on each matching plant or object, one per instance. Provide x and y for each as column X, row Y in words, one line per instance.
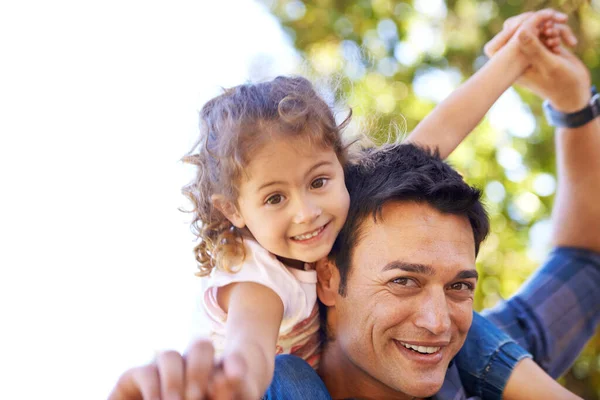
column 306, row 210
column 433, row 313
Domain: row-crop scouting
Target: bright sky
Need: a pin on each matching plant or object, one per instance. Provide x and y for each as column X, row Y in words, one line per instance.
column 98, row 102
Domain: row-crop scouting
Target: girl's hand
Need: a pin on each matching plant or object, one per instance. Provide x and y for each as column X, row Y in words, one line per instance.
column 231, row 380
column 193, row 376
column 170, row 376
column 552, row 31
column 556, row 74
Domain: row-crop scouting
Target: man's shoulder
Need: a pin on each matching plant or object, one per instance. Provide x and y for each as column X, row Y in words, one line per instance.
column 452, row 388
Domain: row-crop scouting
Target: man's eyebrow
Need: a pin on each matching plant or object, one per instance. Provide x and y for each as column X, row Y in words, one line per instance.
column 427, row 270
column 467, row 274
column 317, row 165
column 408, row 267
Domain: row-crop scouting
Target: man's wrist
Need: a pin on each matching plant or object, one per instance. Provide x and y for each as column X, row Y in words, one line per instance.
column 573, row 119
column 570, row 103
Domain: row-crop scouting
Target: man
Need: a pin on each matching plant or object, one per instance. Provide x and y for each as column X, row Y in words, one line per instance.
column 399, row 301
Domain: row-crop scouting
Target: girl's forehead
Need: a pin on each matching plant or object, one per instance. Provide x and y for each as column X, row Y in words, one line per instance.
column 288, row 156
column 297, row 147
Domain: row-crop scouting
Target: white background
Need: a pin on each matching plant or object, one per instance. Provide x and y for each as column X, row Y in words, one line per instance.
column 98, row 102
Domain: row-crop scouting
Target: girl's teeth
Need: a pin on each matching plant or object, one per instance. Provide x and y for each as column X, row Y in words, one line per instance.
column 308, row 235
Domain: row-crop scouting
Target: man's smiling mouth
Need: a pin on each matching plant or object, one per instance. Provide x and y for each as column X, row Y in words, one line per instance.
column 421, row 349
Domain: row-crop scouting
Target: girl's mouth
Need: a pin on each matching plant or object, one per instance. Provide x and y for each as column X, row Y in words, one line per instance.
column 309, row 235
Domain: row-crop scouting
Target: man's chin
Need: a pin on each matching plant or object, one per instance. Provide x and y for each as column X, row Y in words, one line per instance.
column 424, row 390
column 420, row 386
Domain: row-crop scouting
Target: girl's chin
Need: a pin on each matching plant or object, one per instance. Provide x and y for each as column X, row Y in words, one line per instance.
column 296, row 263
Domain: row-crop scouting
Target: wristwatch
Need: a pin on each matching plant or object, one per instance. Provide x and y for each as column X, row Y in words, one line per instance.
column 577, row 118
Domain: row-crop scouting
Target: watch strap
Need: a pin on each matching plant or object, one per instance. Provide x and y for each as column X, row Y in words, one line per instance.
column 577, row 118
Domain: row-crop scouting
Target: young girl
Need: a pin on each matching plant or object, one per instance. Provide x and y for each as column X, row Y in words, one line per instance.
column 270, row 199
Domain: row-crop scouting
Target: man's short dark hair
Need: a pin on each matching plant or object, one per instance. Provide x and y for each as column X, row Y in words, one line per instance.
column 403, row 172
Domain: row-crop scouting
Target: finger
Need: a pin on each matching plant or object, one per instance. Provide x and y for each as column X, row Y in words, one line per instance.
column 235, row 369
column 552, row 42
column 229, row 380
column 566, row 34
column 540, row 57
column 199, row 364
column 219, row 388
column 560, row 17
column 498, row 41
column 516, row 20
column 550, row 32
column 127, row 388
column 137, row 384
column 170, row 369
column 556, row 50
column 539, row 18
column 510, row 27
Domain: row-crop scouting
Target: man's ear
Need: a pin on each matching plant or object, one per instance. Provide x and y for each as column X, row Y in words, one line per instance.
column 328, row 281
column 228, row 209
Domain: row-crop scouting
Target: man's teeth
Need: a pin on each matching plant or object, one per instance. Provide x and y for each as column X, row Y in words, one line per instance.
column 308, row 235
column 421, row 349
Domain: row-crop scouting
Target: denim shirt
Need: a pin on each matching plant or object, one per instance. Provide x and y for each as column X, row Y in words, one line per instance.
column 483, row 364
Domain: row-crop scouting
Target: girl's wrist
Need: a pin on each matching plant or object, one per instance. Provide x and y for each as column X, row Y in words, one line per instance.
column 515, row 60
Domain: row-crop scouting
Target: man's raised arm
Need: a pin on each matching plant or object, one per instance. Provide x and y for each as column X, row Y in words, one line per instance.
column 557, row 310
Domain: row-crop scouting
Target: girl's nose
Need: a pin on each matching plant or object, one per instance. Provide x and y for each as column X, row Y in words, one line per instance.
column 307, row 212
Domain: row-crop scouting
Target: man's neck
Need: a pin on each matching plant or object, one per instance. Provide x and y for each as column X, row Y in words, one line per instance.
column 345, row 380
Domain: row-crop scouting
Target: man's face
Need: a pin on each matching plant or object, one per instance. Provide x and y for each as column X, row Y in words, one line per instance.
column 409, row 300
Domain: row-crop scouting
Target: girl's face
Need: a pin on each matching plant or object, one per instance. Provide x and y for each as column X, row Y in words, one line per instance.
column 293, row 199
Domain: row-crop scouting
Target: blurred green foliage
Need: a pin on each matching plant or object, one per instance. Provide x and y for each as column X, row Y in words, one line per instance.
column 397, row 58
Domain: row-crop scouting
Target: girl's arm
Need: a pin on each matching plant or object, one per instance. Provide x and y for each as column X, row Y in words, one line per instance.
column 254, row 315
column 454, row 118
column 246, row 367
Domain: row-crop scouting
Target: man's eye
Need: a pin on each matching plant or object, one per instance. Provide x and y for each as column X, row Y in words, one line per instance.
column 318, row 183
column 462, row 286
column 405, row 282
column 275, row 199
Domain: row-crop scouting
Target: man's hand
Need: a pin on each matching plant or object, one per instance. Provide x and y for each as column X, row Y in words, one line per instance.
column 556, row 75
column 193, row 376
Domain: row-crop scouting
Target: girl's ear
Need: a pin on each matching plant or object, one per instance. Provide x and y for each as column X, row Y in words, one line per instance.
column 328, row 281
column 228, row 209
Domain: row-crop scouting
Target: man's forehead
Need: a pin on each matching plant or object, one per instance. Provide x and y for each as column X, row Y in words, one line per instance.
column 415, row 233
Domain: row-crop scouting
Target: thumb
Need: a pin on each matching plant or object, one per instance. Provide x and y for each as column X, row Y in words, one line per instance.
column 234, row 366
column 534, row 49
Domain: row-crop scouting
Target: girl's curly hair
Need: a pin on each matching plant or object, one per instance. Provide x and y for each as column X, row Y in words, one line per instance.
column 232, row 127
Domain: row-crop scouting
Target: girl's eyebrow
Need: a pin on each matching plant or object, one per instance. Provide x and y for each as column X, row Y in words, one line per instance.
column 270, row 184
column 317, row 165
column 314, row 167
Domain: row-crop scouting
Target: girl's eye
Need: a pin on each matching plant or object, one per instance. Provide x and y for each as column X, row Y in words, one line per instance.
column 318, row 183
column 462, row 286
column 275, row 199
